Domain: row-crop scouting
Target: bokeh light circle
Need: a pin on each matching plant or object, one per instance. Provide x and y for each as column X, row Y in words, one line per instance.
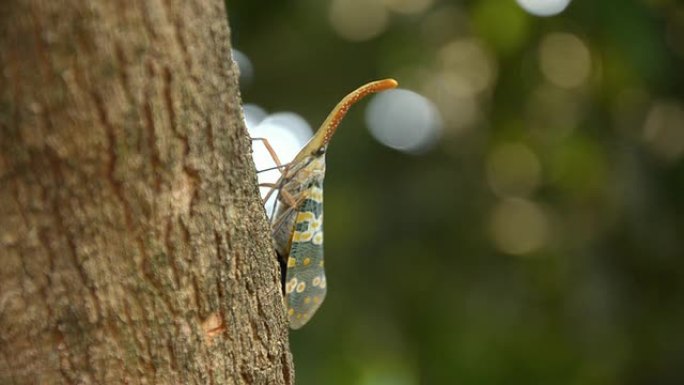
column 519, row 226
column 469, row 59
column 291, row 122
column 358, row 20
column 664, row 129
column 244, row 66
column 565, row 60
column 408, row 6
column 544, row 7
column 404, row 120
column 253, row 115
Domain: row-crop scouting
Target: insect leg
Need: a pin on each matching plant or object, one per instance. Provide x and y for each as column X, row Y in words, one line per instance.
column 291, row 202
column 273, row 154
column 273, row 186
column 289, row 199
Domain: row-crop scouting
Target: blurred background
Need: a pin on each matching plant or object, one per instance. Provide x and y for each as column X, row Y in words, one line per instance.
column 514, row 213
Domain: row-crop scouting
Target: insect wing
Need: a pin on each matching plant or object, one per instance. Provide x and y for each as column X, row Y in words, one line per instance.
column 305, row 283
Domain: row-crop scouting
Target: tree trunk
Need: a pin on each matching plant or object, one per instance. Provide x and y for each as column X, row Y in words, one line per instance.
column 133, row 244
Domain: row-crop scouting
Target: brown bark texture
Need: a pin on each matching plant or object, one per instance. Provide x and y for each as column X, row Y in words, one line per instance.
column 133, row 244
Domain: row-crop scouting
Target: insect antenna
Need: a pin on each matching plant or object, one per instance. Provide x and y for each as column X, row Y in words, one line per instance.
column 273, row 168
column 270, row 150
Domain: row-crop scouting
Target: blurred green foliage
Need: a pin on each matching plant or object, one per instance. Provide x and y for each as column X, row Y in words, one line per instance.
column 451, row 267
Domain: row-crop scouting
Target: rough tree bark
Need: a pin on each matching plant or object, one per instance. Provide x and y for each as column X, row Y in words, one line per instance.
column 133, row 244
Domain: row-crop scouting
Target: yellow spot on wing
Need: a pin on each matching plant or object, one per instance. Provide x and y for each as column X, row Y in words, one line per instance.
column 316, row 195
column 304, row 216
column 290, row 286
column 302, row 236
column 316, row 224
column 318, row 238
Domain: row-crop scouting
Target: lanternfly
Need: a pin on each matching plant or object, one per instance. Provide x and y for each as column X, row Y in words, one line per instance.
column 297, row 226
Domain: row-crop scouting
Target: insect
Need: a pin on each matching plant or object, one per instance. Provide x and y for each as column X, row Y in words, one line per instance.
column 297, row 226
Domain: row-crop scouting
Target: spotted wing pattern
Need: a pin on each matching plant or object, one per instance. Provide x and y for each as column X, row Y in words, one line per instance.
column 305, row 283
